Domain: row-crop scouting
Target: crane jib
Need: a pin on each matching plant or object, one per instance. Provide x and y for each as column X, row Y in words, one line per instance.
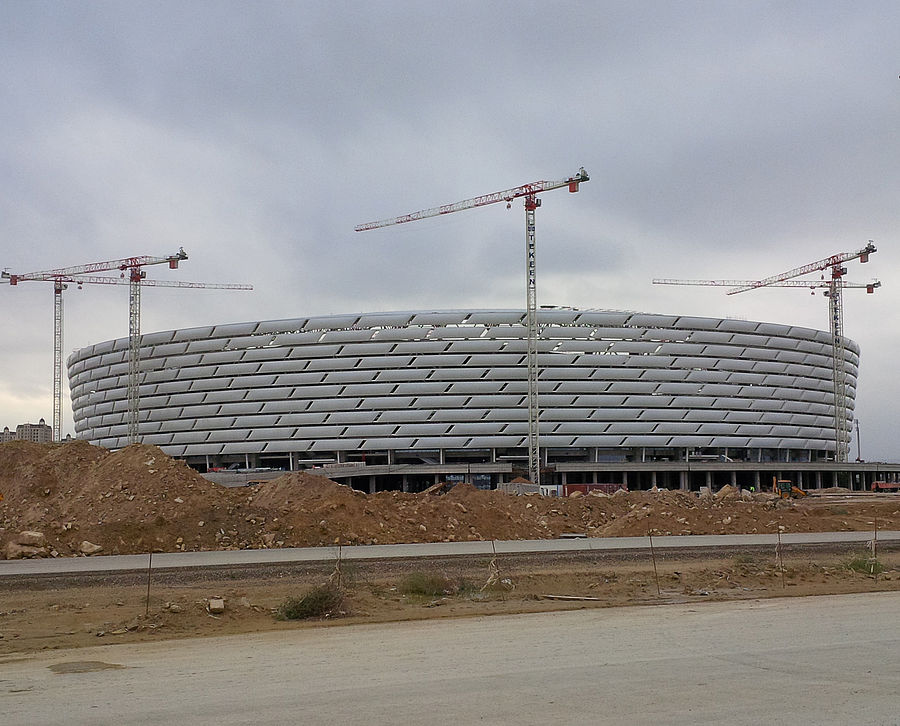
column 525, row 190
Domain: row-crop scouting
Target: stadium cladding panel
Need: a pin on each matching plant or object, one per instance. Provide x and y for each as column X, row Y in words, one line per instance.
column 435, row 387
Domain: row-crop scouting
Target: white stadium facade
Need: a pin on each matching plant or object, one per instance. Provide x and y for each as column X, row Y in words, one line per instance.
column 404, row 399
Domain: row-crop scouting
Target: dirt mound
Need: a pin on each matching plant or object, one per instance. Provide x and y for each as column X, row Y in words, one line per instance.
column 125, row 500
column 138, row 499
column 299, row 487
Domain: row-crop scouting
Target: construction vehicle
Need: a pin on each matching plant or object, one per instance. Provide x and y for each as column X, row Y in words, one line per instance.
column 786, row 489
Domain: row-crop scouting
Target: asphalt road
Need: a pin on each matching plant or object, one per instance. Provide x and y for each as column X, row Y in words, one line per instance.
column 818, row 660
column 174, row 560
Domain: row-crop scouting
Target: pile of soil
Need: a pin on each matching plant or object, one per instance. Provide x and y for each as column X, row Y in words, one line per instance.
column 137, row 499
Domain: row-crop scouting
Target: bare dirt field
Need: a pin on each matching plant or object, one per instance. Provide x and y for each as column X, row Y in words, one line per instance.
column 74, row 499
column 40, row 613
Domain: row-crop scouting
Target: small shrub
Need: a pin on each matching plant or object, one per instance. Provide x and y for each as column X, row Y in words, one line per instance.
column 865, row 565
column 319, row 602
column 427, row 584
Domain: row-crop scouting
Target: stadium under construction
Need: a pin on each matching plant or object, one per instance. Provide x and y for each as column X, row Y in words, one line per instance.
column 405, row 399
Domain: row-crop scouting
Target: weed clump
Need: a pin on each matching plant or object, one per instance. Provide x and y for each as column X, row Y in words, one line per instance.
column 320, row 602
column 865, row 565
column 427, row 584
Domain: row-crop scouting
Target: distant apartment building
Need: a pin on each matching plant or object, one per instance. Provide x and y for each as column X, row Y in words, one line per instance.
column 39, row 433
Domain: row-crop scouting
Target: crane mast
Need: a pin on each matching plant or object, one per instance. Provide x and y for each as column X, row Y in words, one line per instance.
column 58, row 288
column 834, row 287
column 532, row 202
column 531, row 322
column 839, row 356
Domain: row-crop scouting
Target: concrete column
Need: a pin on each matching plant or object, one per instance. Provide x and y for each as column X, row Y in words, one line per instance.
column 709, row 481
column 734, row 478
column 405, row 484
column 565, row 478
column 653, row 478
column 818, row 480
column 371, row 485
column 683, row 481
column 625, row 479
column 756, row 480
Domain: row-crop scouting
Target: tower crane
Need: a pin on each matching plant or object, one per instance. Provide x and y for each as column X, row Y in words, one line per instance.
column 833, row 290
column 532, row 202
column 57, row 276
column 135, row 279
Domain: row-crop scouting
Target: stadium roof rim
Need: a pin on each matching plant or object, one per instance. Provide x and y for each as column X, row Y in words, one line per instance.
column 366, row 320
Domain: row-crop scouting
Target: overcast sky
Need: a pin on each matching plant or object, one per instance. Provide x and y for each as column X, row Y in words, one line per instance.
column 723, row 139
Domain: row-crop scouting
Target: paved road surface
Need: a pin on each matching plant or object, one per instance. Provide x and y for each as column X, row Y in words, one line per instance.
column 310, row 554
column 823, row 660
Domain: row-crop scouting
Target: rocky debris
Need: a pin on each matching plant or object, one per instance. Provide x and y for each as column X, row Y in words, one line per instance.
column 15, row 551
column 31, row 538
column 215, row 606
column 89, row 548
column 26, row 545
